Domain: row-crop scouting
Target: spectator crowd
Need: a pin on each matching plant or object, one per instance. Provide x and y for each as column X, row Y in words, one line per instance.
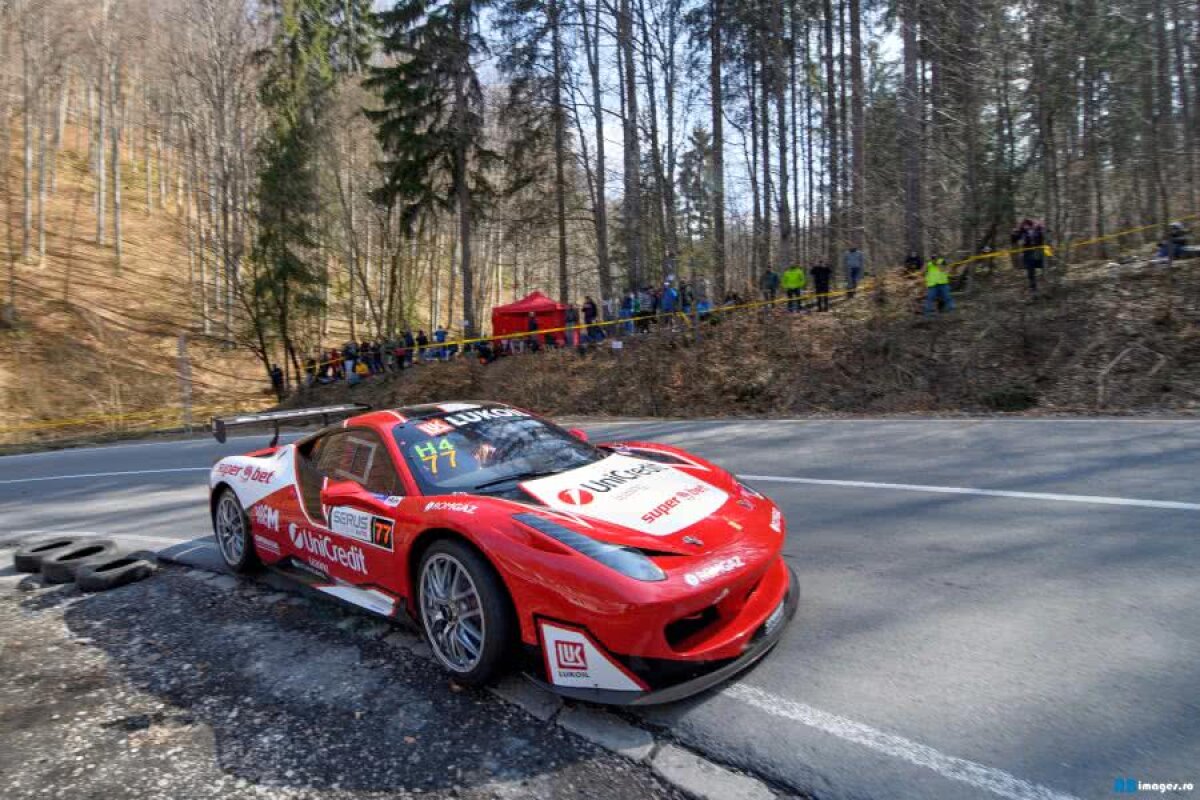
column 589, row 322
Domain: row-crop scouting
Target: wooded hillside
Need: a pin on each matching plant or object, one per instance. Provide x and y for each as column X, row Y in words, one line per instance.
column 331, row 171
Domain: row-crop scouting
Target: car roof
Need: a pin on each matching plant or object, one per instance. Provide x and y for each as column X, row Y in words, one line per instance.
column 387, row 419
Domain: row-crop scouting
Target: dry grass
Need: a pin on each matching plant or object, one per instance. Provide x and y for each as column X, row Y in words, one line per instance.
column 91, row 339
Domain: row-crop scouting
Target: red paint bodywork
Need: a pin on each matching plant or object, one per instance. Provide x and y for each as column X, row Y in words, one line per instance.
column 547, row 580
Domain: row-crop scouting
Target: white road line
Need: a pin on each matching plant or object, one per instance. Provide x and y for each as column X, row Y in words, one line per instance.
column 205, row 440
column 104, row 474
column 164, row 541
column 995, row 781
column 913, row 487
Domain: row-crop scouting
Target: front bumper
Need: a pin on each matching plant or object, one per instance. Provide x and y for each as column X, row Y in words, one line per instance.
column 769, row 632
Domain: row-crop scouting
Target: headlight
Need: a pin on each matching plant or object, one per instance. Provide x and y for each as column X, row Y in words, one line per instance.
column 624, row 560
column 749, row 491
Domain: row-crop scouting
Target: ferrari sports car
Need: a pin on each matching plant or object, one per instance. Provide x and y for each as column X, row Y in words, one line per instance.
column 621, row 572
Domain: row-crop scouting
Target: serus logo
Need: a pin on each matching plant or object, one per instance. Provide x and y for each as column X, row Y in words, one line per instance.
column 575, row 497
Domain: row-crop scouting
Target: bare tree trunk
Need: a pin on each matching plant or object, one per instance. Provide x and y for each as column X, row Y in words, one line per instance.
column 764, row 110
column 41, row 181
column 463, row 194
column 115, row 135
column 633, row 181
column 718, row 156
column 591, row 41
column 858, row 165
column 6, row 26
column 809, row 160
column 1187, row 111
column 787, row 254
column 831, row 126
column 560, row 181
column 911, row 142
column 60, row 121
column 29, row 95
column 756, row 201
column 101, row 129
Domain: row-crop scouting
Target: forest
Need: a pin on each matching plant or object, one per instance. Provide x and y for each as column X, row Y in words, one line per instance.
column 338, row 168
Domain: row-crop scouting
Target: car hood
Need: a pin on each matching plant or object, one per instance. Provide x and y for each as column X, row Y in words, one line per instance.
column 646, row 504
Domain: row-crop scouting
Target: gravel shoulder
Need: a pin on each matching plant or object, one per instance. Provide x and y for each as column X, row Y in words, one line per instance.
column 176, row 687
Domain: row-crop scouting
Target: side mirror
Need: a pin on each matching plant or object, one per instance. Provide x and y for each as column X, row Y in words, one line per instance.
column 579, row 434
column 337, row 493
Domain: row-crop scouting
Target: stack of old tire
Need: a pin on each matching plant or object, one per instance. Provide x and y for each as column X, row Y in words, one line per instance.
column 93, row 564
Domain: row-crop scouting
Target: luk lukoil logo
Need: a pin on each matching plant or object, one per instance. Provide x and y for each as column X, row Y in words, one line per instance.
column 323, row 546
column 570, row 655
column 576, row 497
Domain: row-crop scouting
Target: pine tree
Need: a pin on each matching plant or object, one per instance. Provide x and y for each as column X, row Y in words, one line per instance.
column 298, row 78
column 535, row 65
column 430, row 125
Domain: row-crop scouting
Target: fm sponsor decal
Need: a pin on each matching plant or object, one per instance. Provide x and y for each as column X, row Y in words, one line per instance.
column 362, row 526
column 392, row 500
column 576, row 497
column 713, row 570
column 267, row 517
column 442, row 505
column 323, row 546
column 776, row 520
column 574, row 659
column 435, row 427
column 266, row 545
column 465, row 418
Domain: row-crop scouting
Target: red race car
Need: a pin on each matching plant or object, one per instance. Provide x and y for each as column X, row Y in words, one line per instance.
column 625, row 572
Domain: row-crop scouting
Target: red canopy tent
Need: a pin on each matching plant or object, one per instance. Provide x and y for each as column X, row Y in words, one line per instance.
column 514, row 317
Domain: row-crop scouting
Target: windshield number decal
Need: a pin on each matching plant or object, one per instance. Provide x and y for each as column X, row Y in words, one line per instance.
column 431, row 453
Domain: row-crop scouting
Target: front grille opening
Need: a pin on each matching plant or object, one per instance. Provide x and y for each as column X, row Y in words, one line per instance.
column 752, row 590
column 685, row 628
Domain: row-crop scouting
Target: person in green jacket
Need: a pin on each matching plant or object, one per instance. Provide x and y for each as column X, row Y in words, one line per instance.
column 937, row 285
column 794, row 281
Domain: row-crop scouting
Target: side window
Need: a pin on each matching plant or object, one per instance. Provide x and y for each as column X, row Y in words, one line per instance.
column 360, row 456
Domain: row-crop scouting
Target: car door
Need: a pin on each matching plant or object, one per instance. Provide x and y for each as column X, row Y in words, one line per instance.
column 348, row 486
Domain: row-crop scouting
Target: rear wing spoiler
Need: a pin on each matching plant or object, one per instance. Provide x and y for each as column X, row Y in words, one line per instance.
column 277, row 419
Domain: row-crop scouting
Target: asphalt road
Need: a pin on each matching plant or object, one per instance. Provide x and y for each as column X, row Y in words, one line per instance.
column 991, row 608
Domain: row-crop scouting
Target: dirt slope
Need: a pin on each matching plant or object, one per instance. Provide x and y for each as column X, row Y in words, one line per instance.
column 1101, row 338
column 94, row 340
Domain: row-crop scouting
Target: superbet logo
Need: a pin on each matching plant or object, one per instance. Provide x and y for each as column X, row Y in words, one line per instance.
column 575, row 497
column 570, row 655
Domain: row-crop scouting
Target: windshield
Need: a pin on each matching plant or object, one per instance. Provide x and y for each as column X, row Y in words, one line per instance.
column 486, row 450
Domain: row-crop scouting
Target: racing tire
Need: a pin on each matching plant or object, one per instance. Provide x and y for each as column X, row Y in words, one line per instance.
column 113, row 572
column 231, row 527
column 483, row 616
column 30, row 557
column 61, row 567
